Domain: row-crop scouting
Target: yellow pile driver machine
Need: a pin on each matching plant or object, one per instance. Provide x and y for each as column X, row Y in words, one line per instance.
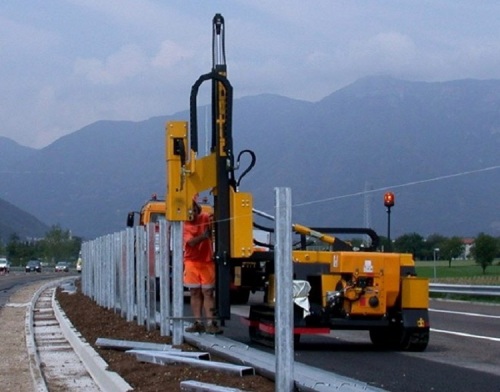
column 349, row 289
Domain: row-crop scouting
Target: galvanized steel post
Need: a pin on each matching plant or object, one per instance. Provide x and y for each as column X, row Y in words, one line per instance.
column 122, row 274
column 164, row 256
column 150, row 277
column 178, row 290
column 284, row 294
column 129, row 274
column 140, row 277
column 115, row 266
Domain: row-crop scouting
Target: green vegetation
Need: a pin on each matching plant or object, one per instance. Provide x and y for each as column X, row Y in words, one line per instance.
column 58, row 244
column 485, row 250
column 461, row 272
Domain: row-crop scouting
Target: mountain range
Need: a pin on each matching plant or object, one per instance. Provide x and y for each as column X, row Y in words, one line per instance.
column 19, row 222
column 434, row 145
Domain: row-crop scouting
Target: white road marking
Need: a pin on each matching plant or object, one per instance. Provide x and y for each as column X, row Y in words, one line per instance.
column 464, row 313
column 463, row 333
column 468, row 335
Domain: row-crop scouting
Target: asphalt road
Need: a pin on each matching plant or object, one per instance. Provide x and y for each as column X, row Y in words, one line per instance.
column 10, row 283
column 463, row 353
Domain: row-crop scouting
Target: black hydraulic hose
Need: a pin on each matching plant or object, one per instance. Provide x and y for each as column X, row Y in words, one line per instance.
column 263, row 228
column 252, row 164
column 229, row 115
column 263, row 244
column 180, row 150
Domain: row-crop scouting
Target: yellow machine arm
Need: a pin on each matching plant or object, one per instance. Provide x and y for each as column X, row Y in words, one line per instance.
column 313, row 233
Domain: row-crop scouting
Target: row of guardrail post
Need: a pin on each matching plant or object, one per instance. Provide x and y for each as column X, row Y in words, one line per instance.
column 115, row 264
column 121, row 272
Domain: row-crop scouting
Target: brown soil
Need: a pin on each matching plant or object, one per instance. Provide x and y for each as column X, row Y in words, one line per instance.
column 93, row 322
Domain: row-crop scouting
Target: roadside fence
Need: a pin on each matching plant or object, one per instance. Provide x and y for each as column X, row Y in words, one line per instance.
column 123, row 272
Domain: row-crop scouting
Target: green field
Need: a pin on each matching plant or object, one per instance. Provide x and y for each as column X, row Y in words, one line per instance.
column 460, row 272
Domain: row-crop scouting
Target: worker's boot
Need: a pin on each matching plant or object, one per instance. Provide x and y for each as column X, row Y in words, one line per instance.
column 213, row 328
column 196, row 327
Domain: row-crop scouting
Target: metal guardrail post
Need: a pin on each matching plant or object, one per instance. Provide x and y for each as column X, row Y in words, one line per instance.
column 85, row 282
column 140, row 277
column 98, row 270
column 129, row 274
column 109, row 279
column 164, row 256
column 113, row 267
column 150, row 277
column 284, row 286
column 122, row 274
column 178, row 295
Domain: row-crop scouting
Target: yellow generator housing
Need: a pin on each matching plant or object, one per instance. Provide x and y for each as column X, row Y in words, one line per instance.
column 374, row 291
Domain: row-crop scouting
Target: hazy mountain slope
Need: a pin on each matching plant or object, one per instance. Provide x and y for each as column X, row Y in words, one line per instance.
column 418, row 139
column 12, row 152
column 17, row 221
column 382, row 132
column 90, row 179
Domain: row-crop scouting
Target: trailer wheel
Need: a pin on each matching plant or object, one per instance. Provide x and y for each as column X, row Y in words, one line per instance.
column 414, row 340
column 252, row 332
column 239, row 296
column 384, row 338
column 400, row 338
column 268, row 340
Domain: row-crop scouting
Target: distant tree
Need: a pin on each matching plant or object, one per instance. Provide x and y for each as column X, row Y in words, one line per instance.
column 484, row 250
column 13, row 248
column 385, row 245
column 356, row 242
column 410, row 243
column 59, row 244
column 451, row 249
column 434, row 241
column 20, row 251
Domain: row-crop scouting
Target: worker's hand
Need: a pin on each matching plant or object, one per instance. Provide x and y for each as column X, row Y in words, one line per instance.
column 207, row 233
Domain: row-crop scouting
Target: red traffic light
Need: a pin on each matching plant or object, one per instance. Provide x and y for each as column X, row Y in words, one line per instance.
column 389, row 199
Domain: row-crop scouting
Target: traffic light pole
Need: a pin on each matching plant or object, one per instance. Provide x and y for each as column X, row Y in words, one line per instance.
column 389, row 229
column 389, row 200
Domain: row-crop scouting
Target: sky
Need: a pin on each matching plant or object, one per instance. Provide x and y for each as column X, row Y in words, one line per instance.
column 65, row 64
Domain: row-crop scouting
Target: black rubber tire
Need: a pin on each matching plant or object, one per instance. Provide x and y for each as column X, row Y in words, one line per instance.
column 239, row 296
column 405, row 339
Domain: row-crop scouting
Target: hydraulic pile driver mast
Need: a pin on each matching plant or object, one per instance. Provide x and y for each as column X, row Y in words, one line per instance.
column 347, row 288
column 188, row 175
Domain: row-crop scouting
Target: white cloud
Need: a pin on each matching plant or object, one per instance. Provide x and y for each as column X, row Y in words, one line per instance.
column 128, row 62
column 21, row 39
column 170, row 54
column 384, row 51
column 67, row 63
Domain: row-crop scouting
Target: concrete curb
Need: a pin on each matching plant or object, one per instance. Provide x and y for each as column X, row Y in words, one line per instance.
column 34, row 360
column 95, row 365
column 306, row 378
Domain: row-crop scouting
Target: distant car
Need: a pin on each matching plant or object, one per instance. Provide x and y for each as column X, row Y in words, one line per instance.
column 79, row 263
column 4, row 265
column 62, row 266
column 34, row 266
